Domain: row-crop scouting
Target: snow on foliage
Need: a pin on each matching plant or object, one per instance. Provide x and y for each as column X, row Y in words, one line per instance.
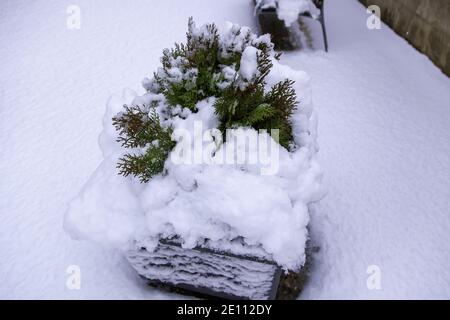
column 210, row 199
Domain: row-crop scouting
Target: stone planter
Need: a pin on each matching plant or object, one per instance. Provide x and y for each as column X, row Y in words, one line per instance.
column 238, row 273
column 282, row 37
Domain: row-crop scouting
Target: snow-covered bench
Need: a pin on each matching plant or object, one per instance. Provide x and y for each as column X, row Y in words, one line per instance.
column 275, row 16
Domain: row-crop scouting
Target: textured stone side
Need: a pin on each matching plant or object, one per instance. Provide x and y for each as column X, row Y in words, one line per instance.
column 207, row 272
column 423, row 23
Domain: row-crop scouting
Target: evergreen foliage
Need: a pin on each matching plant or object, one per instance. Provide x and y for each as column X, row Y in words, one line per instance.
column 190, row 71
column 207, row 65
column 257, row 109
column 140, row 127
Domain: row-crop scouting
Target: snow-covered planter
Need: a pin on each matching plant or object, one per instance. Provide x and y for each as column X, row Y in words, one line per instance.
column 280, row 19
column 217, row 167
column 237, row 272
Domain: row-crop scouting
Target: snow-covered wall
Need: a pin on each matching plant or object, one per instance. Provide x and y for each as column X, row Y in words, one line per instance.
column 423, row 23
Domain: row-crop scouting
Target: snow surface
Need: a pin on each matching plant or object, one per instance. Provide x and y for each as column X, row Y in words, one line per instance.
column 384, row 131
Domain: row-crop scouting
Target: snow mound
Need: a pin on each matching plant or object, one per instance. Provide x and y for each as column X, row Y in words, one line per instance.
column 264, row 203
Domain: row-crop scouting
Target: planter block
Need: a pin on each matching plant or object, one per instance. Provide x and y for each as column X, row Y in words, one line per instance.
column 282, row 36
column 207, row 272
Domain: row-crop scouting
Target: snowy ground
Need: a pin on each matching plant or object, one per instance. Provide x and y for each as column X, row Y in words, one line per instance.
column 384, row 116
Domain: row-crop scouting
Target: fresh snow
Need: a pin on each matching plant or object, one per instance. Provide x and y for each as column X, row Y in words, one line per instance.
column 383, row 135
column 249, row 63
column 384, row 132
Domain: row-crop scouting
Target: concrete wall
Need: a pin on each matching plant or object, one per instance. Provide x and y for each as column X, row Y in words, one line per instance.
column 424, row 23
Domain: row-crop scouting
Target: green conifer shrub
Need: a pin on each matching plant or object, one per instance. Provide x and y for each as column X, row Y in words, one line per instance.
column 207, row 65
column 140, row 127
